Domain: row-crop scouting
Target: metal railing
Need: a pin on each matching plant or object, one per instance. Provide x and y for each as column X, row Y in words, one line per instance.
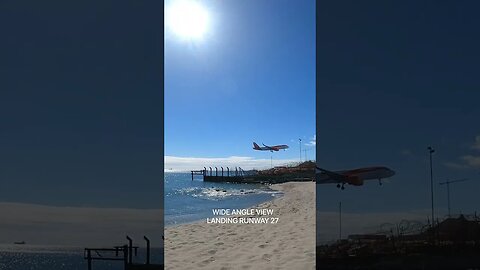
column 128, row 251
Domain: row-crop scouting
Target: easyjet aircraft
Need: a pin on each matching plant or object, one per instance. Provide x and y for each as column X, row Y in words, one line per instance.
column 354, row 177
column 269, row 148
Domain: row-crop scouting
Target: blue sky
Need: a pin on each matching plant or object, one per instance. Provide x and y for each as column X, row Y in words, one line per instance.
column 395, row 78
column 251, row 78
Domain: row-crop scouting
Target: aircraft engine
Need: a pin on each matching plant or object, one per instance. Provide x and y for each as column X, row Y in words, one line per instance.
column 355, row 181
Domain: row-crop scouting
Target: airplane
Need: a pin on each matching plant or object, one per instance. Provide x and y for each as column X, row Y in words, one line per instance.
column 354, row 177
column 269, row 148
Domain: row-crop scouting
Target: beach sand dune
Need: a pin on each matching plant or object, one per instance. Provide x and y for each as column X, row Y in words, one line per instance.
column 288, row 244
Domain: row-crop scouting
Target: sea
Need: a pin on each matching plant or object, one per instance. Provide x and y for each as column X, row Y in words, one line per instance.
column 36, row 257
column 185, row 201
column 188, row 201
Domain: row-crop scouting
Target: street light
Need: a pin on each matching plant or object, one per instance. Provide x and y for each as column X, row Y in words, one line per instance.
column 300, row 143
column 431, row 151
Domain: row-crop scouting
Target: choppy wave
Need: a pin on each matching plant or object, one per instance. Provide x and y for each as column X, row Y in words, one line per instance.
column 188, row 200
column 217, row 193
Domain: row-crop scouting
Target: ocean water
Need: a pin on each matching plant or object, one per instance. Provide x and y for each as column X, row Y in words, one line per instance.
column 187, row 201
column 30, row 257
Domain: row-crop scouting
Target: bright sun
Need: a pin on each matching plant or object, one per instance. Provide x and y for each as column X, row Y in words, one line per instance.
column 187, row 19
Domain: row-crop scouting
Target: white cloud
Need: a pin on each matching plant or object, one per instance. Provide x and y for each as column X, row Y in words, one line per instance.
column 455, row 165
column 183, row 164
column 476, row 144
column 467, row 161
column 471, row 161
column 78, row 226
column 313, row 141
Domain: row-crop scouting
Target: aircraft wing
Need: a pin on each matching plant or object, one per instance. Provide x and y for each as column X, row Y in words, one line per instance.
column 327, row 177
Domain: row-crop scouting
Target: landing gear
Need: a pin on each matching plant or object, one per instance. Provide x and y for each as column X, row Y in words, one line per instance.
column 342, row 186
column 338, row 185
column 380, row 182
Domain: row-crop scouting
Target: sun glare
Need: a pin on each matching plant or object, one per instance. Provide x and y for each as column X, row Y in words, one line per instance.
column 187, row 19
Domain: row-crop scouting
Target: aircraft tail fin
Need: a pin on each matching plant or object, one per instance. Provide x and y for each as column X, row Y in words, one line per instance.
column 255, row 146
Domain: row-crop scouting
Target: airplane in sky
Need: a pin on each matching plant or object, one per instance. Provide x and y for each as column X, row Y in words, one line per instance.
column 354, row 177
column 269, row 148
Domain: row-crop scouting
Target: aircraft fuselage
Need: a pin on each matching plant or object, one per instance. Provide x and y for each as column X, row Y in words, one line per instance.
column 354, row 177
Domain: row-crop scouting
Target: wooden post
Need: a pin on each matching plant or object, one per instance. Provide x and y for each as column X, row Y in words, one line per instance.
column 129, row 249
column 148, row 249
column 192, row 175
column 125, row 257
column 89, row 257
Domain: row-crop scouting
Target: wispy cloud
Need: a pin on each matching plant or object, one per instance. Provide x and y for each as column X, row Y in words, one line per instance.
column 313, row 141
column 456, row 165
column 467, row 161
column 476, row 144
column 471, row 161
column 182, row 164
column 77, row 226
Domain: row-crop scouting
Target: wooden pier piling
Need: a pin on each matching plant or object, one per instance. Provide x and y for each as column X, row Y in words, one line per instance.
column 302, row 172
column 201, row 172
column 223, row 175
column 128, row 251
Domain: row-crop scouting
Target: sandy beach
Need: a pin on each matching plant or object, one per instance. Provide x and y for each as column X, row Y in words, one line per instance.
column 287, row 244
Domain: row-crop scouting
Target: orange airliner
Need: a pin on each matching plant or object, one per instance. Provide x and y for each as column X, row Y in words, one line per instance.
column 354, row 177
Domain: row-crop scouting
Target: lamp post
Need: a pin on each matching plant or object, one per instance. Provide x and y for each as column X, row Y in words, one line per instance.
column 300, row 144
column 430, row 152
